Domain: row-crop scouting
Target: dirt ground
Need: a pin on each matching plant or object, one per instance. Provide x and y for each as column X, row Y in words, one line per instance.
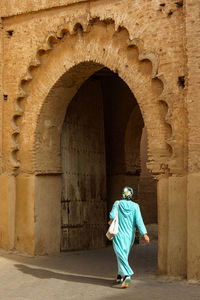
column 88, row 275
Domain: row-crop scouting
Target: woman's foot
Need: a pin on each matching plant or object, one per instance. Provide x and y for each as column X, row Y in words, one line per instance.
column 119, row 279
column 125, row 282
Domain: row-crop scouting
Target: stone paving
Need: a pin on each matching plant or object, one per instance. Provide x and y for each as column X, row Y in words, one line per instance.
column 88, row 275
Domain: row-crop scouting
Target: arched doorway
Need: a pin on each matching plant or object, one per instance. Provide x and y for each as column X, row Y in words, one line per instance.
column 73, row 57
column 100, row 153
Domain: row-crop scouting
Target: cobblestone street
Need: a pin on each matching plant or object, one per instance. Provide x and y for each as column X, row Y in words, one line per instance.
column 88, row 275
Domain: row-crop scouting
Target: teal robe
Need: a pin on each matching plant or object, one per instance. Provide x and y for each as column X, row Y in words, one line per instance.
column 129, row 216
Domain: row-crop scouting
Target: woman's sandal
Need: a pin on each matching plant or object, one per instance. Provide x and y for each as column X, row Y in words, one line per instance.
column 125, row 282
column 119, row 279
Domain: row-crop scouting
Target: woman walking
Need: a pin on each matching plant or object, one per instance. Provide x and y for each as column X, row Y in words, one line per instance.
column 129, row 216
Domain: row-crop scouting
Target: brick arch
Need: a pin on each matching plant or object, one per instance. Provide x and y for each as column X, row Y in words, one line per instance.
column 73, row 54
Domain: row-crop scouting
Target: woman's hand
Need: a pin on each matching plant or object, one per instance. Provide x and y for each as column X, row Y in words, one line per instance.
column 146, row 238
column 110, row 222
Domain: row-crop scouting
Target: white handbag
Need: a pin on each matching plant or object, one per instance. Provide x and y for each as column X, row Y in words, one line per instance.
column 114, row 226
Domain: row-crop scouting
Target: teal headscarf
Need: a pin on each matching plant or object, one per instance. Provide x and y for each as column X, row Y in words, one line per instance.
column 127, row 193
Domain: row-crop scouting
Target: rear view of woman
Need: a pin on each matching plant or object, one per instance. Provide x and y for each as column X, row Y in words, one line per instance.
column 129, row 216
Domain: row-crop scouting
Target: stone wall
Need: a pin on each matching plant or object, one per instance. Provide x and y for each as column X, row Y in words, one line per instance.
column 147, row 194
column 192, row 9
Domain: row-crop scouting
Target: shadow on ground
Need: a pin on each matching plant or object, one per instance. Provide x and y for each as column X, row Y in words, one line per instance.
column 88, row 275
column 97, row 263
column 46, row 274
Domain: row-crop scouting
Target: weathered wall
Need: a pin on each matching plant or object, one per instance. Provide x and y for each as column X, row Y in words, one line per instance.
column 147, row 194
column 25, row 214
column 138, row 175
column 4, row 202
column 157, row 17
column 10, row 8
column 1, row 90
column 37, row 222
column 192, row 10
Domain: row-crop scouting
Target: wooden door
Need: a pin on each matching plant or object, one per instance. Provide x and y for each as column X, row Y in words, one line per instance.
column 83, row 200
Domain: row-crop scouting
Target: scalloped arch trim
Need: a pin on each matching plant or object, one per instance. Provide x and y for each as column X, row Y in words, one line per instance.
column 148, row 64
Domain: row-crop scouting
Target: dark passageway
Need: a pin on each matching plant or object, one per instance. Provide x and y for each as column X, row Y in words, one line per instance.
column 100, row 150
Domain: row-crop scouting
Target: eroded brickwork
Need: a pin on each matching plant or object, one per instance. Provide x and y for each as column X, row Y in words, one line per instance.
column 65, row 18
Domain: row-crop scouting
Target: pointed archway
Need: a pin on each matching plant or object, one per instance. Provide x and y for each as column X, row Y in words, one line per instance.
column 73, row 56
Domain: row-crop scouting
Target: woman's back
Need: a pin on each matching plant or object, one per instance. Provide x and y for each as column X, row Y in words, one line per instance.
column 127, row 217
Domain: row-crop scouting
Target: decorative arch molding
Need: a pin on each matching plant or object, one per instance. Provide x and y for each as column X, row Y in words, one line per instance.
column 82, row 49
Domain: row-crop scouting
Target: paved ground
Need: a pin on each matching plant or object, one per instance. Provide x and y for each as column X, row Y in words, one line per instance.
column 85, row 275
